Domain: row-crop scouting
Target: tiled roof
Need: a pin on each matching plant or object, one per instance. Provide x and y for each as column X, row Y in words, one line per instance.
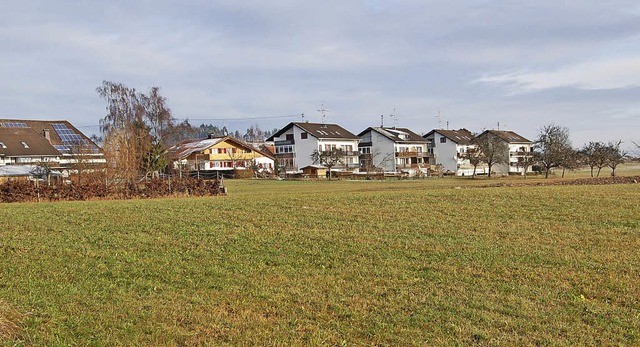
column 62, row 134
column 507, row 136
column 319, row 130
column 398, row 135
column 189, row 147
column 25, row 142
column 460, row 136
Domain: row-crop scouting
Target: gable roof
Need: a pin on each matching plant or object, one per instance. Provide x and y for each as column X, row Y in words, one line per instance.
column 62, row 134
column 189, row 147
column 319, row 130
column 460, row 136
column 398, row 135
column 25, row 142
column 507, row 136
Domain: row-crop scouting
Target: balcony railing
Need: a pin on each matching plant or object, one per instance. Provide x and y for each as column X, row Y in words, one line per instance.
column 289, row 155
column 409, row 154
column 284, row 142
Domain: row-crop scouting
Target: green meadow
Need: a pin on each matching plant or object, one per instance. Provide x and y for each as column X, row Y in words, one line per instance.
column 398, row 263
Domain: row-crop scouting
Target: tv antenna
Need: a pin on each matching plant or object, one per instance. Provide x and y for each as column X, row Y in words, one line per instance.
column 323, row 112
column 439, row 120
column 394, row 117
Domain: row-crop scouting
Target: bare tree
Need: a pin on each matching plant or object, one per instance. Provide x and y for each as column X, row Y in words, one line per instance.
column 571, row 160
column 135, row 129
column 526, row 161
column 492, row 150
column 594, row 155
column 551, row 147
column 615, row 156
column 328, row 158
column 475, row 158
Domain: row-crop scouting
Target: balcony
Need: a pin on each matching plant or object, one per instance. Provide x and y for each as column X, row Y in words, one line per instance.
column 284, row 142
column 409, row 154
column 290, row 155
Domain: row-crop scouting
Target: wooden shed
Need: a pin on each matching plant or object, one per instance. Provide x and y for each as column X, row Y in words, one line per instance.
column 314, row 171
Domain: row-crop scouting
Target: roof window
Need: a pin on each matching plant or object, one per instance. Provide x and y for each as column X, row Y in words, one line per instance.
column 2, row 145
column 25, row 144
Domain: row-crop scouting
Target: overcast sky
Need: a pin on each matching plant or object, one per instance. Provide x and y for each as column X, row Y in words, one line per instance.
column 475, row 63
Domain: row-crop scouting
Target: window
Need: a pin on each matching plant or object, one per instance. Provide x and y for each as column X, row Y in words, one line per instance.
column 25, row 144
column 284, row 149
column 443, row 140
column 304, row 135
column 289, row 137
column 2, row 145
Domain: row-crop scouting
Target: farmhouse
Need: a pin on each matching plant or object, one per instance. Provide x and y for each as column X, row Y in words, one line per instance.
column 392, row 149
column 219, row 154
column 56, row 144
column 296, row 142
column 518, row 148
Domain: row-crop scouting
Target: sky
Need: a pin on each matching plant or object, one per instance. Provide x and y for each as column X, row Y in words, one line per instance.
column 475, row 64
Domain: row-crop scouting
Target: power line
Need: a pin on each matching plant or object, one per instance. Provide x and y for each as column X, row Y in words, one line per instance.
column 214, row 119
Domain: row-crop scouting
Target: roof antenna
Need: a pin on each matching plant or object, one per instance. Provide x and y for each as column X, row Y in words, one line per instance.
column 302, row 117
column 447, row 125
column 382, row 121
column 322, row 110
column 394, row 117
column 498, row 125
column 439, row 120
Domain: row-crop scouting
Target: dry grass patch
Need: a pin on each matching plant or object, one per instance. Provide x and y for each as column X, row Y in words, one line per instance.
column 10, row 322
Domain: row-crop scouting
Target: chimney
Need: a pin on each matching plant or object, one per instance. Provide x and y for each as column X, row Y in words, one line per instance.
column 46, row 134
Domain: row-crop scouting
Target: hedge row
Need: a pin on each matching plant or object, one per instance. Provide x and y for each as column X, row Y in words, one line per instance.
column 27, row 191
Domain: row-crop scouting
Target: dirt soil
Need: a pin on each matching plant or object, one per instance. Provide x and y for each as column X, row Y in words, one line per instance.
column 572, row 182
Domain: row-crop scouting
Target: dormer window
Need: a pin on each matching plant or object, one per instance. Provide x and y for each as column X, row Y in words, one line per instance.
column 25, row 144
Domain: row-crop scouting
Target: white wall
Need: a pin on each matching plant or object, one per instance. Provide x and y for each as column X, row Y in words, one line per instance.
column 445, row 153
column 384, row 151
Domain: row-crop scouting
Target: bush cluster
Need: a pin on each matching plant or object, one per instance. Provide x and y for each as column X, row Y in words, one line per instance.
column 28, row 191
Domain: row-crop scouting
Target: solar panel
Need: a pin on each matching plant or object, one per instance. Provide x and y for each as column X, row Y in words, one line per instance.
column 70, row 139
column 14, row 125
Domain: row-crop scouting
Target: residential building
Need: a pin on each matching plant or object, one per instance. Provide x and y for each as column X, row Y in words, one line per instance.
column 219, row 154
column 449, row 147
column 296, row 142
column 58, row 143
column 518, row 148
column 393, row 149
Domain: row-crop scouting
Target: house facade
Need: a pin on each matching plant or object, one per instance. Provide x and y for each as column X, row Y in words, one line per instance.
column 219, row 154
column 57, row 143
column 519, row 148
column 297, row 141
column 449, row 147
column 392, row 149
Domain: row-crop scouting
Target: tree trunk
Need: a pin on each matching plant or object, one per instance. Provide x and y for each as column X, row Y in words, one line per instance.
column 489, row 175
column 546, row 172
column 563, row 169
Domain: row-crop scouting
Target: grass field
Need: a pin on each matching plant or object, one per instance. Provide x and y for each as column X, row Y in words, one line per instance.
column 327, row 263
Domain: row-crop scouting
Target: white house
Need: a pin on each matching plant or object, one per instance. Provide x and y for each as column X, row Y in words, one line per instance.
column 296, row 142
column 392, row 149
column 518, row 146
column 448, row 148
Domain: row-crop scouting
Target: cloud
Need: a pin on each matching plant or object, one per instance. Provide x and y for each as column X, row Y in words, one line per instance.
column 618, row 72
